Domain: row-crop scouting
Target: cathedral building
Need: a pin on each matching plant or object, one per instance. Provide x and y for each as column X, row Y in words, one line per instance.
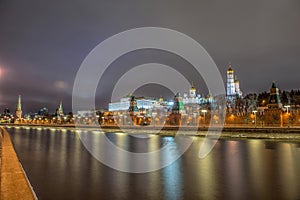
column 233, row 90
column 191, row 97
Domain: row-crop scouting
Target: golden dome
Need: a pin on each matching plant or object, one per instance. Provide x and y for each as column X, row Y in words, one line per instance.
column 230, row 69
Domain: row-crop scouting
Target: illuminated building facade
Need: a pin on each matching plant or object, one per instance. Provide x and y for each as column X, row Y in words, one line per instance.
column 233, row 90
column 193, row 98
column 142, row 103
column 59, row 110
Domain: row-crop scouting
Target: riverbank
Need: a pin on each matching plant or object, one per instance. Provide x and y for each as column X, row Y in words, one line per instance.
column 235, row 128
column 13, row 180
column 278, row 133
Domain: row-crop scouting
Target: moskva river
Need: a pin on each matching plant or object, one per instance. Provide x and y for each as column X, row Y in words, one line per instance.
column 60, row 167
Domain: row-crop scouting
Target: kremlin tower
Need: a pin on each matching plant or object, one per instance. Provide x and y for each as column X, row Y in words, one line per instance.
column 274, row 100
column 18, row 112
column 273, row 115
column 133, row 110
column 59, row 110
column 178, row 107
column 177, row 111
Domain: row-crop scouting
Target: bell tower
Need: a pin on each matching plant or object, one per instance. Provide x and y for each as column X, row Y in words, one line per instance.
column 192, row 91
column 230, row 82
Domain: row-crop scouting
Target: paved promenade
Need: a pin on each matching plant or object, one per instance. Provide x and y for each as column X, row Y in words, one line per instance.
column 14, row 183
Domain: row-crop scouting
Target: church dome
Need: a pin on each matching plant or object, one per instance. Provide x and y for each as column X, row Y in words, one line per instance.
column 193, row 88
column 230, row 69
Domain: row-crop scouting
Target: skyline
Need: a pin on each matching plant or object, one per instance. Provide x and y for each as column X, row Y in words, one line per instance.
column 60, row 103
column 39, row 56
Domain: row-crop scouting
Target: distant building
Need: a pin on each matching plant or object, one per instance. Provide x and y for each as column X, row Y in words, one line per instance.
column 142, row 103
column 233, row 85
column 273, row 114
column 6, row 111
column 175, row 118
column 274, row 100
column 59, row 110
column 230, row 82
column 43, row 112
column 133, row 109
column 178, row 106
column 237, row 87
column 18, row 112
column 193, row 98
column 139, row 109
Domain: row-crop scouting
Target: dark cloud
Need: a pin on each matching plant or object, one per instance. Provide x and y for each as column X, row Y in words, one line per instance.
column 42, row 42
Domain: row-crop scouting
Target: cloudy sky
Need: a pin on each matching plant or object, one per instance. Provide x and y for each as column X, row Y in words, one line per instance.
column 43, row 43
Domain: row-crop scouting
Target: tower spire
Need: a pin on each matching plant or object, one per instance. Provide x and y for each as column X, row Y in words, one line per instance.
column 18, row 112
column 19, row 106
column 59, row 110
column 60, row 105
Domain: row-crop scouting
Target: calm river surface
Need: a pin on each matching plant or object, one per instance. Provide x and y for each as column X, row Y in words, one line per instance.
column 59, row 167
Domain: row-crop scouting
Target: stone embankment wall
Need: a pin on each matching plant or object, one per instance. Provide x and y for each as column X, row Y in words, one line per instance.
column 14, row 184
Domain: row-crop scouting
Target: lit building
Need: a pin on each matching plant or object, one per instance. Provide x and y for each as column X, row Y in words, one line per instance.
column 133, row 109
column 233, row 85
column 178, row 105
column 178, row 110
column 274, row 100
column 237, row 87
column 142, row 103
column 230, row 82
column 18, row 112
column 59, row 110
column 149, row 105
column 273, row 114
column 193, row 98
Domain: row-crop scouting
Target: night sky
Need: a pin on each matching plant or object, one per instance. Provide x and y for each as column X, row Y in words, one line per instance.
column 43, row 43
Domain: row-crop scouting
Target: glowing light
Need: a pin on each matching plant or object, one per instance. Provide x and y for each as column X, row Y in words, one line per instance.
column 170, row 103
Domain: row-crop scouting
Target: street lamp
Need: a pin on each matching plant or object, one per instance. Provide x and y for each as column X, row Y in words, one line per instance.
column 204, row 112
column 255, row 111
column 287, row 108
column 195, row 118
column 153, row 117
column 287, row 111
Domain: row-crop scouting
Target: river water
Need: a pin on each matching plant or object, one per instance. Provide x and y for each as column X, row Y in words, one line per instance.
column 59, row 167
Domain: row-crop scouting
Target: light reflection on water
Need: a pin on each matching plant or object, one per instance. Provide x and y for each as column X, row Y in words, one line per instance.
column 59, row 167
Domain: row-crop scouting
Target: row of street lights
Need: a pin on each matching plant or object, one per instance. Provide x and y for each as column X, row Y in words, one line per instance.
column 287, row 111
column 204, row 112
